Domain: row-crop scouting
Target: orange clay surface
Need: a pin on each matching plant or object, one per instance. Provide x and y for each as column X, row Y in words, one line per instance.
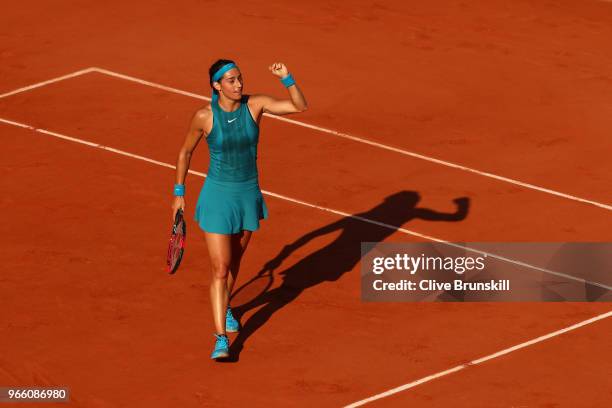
column 520, row 89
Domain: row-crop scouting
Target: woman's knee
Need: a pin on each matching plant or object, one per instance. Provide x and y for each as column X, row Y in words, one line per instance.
column 220, row 269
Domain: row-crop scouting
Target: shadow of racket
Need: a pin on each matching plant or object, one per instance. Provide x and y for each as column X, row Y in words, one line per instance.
column 253, row 283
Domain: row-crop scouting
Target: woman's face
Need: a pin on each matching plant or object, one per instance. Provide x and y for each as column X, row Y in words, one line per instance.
column 230, row 84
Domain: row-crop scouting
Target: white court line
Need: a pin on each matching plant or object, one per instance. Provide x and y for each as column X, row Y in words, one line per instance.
column 478, row 361
column 370, row 142
column 96, row 145
column 50, row 81
column 324, row 130
column 318, row 207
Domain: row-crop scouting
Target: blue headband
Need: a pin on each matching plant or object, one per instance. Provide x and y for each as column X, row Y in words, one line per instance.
column 218, row 76
column 222, row 71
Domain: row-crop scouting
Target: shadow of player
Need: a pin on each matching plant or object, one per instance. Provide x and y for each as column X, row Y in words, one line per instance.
column 334, row 260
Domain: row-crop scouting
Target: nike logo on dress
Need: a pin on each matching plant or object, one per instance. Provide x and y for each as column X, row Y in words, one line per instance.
column 230, row 121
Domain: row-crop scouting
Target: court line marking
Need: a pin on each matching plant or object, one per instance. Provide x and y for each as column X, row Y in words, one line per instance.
column 318, row 207
column 325, row 130
column 478, row 361
column 369, row 142
column 50, row 81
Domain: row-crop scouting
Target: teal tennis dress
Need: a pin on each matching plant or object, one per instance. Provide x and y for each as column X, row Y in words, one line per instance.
column 230, row 200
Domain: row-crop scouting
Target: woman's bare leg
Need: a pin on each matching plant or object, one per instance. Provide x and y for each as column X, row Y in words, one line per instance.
column 220, row 252
column 239, row 245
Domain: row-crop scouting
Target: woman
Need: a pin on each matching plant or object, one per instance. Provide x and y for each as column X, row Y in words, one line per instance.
column 230, row 204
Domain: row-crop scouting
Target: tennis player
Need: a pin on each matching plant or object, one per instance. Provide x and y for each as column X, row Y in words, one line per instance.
column 230, row 203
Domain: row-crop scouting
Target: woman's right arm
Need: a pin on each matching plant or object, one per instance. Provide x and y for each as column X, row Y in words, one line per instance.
column 194, row 134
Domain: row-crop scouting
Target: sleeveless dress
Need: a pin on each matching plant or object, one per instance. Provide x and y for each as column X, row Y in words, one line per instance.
column 230, row 199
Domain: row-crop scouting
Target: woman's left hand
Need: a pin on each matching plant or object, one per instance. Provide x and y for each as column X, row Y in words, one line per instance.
column 279, row 69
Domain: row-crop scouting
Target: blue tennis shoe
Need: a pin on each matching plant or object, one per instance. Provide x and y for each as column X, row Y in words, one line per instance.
column 231, row 324
column 221, row 347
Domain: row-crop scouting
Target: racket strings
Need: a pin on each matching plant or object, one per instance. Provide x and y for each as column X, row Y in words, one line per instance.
column 177, row 243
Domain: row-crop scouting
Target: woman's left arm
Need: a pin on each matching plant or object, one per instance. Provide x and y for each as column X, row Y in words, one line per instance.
column 295, row 103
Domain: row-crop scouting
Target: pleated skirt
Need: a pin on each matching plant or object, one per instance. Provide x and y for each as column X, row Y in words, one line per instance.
column 230, row 207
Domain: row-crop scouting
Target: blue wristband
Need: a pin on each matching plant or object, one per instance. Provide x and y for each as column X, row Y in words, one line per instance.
column 288, row 81
column 179, row 190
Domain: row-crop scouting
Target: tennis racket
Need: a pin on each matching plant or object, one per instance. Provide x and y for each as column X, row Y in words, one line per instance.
column 177, row 242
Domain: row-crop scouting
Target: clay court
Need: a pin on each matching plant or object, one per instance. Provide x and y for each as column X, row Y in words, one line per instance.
column 507, row 105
